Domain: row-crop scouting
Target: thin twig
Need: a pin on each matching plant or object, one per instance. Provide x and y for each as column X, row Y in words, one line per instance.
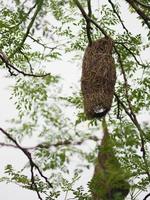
column 88, row 27
column 9, row 66
column 89, row 8
column 34, row 185
column 124, row 107
column 28, row 155
column 4, row 59
column 39, row 4
column 125, row 79
column 118, row 110
column 42, row 44
column 132, row 115
column 28, row 61
column 48, row 145
column 2, row 144
column 117, row 14
column 66, row 194
column 88, row 18
column 148, row 195
column 132, row 54
column 30, row 10
column 133, row 118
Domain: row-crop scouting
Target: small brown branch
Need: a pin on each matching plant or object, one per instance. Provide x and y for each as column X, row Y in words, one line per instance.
column 2, row 144
column 132, row 54
column 87, row 18
column 132, row 114
column 4, row 59
column 9, row 66
column 88, row 27
column 38, row 4
column 125, row 79
column 124, row 107
column 34, row 185
column 148, row 195
column 64, row 143
column 42, row 44
column 117, row 14
column 31, row 23
column 24, row 2
column 48, row 145
column 28, row 61
column 28, row 155
column 89, row 8
column 133, row 118
column 118, row 110
column 145, row 17
column 30, row 10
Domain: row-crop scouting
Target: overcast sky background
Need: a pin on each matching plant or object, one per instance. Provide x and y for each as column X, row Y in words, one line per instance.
column 71, row 74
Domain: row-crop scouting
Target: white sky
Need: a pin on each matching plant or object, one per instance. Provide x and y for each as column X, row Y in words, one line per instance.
column 71, row 73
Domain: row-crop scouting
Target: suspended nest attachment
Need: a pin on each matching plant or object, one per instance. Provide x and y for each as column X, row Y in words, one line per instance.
column 98, row 78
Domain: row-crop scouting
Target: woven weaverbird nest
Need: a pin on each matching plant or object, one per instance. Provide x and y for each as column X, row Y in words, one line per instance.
column 98, row 78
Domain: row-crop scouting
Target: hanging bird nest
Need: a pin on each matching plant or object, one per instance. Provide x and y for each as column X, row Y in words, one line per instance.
column 98, row 78
column 110, row 179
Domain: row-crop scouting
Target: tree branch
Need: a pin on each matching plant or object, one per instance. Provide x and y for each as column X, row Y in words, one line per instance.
column 139, row 12
column 48, row 145
column 33, row 185
column 87, row 18
column 9, row 66
column 121, row 21
column 132, row 54
column 125, row 79
column 28, row 61
column 42, row 44
column 132, row 115
column 39, row 4
column 88, row 27
column 28, row 155
column 148, row 195
column 133, row 118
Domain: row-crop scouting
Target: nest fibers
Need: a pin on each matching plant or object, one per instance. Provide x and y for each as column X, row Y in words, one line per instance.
column 98, row 78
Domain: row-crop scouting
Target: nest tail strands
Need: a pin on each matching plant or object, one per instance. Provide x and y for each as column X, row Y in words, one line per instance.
column 98, row 78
